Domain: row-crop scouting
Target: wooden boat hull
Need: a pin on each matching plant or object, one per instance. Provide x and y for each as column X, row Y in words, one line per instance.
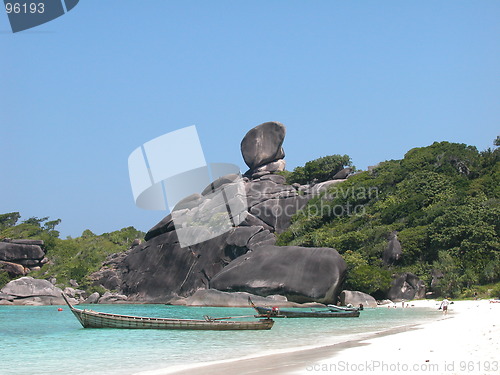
column 93, row 319
column 288, row 313
column 343, row 308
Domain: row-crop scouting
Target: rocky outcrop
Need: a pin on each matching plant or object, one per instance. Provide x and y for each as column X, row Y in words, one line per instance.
column 109, row 297
column 93, row 298
column 19, row 257
column 262, row 144
column 342, row 174
column 167, row 266
column 160, row 269
column 30, row 291
column 356, row 298
column 406, row 286
column 301, row 274
column 393, row 252
column 212, row 297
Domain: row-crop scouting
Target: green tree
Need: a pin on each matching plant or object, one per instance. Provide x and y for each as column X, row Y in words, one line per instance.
column 8, row 220
column 4, row 278
column 321, row 169
column 364, row 277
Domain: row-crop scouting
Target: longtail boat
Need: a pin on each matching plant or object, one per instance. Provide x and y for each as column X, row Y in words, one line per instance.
column 344, row 308
column 94, row 319
column 277, row 312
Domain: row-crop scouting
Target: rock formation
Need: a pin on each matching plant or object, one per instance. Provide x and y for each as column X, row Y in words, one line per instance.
column 262, row 145
column 301, row 274
column 406, row 286
column 393, row 251
column 19, row 257
column 212, row 297
column 356, row 298
column 160, row 269
column 29, row 291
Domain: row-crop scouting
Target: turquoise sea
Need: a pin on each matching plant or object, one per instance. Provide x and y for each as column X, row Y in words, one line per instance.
column 41, row 340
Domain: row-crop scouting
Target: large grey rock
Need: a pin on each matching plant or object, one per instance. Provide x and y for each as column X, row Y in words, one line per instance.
column 252, row 221
column 109, row 297
column 28, row 287
column 342, row 174
column 220, row 182
column 356, row 298
column 263, row 238
column 301, row 274
column 436, row 275
column 160, row 269
column 272, row 167
column 189, row 202
column 164, row 226
column 26, row 242
column 262, row 190
column 70, row 292
column 278, row 212
column 262, row 144
column 276, row 178
column 213, row 297
column 406, row 286
column 42, row 301
column 257, row 175
column 30, row 291
column 10, row 251
column 237, row 240
column 393, row 251
column 266, row 188
column 93, row 298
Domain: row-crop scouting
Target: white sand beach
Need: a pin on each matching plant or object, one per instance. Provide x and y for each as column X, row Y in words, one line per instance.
column 465, row 341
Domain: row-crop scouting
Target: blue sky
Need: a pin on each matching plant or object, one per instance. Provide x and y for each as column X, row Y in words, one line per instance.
column 371, row 79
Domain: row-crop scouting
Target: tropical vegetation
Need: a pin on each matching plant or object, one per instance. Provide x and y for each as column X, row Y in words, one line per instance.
column 443, row 202
column 70, row 258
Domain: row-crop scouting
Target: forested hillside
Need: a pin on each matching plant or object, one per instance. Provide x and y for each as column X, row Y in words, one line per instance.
column 70, row 258
column 441, row 200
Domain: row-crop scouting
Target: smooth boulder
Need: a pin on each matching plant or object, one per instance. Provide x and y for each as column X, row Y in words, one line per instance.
column 11, row 251
column 262, row 144
column 406, row 286
column 393, row 252
column 29, row 291
column 301, row 274
column 356, row 298
column 213, row 297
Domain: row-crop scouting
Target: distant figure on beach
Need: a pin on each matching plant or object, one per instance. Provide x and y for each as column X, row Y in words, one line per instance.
column 444, row 305
column 360, row 306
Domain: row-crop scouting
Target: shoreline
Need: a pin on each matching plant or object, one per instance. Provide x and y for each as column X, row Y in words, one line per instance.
column 437, row 347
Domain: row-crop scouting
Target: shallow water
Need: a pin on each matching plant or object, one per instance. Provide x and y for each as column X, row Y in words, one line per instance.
column 41, row 340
